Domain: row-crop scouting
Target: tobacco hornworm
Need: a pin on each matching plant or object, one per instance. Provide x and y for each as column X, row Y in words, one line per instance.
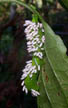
column 35, row 45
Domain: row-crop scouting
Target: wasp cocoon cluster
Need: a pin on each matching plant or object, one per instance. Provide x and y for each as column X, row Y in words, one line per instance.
column 35, row 46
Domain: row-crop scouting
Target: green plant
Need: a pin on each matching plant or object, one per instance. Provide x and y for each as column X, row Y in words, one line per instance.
column 53, row 77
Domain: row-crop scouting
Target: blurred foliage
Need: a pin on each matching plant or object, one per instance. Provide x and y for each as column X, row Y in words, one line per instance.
column 4, row 11
column 6, row 43
column 64, row 3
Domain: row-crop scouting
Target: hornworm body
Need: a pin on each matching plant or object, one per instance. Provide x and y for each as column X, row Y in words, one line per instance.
column 35, row 45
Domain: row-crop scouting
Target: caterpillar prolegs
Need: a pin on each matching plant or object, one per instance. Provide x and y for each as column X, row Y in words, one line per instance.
column 35, row 45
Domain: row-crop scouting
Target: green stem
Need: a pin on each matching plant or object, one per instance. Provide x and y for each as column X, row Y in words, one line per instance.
column 17, row 2
column 29, row 7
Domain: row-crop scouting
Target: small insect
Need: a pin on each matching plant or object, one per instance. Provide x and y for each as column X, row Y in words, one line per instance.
column 35, row 45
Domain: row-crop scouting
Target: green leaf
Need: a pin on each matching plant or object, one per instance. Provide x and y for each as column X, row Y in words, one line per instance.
column 42, row 100
column 54, row 72
column 54, row 75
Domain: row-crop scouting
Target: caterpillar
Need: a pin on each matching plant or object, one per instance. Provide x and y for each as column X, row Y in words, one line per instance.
column 35, row 45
